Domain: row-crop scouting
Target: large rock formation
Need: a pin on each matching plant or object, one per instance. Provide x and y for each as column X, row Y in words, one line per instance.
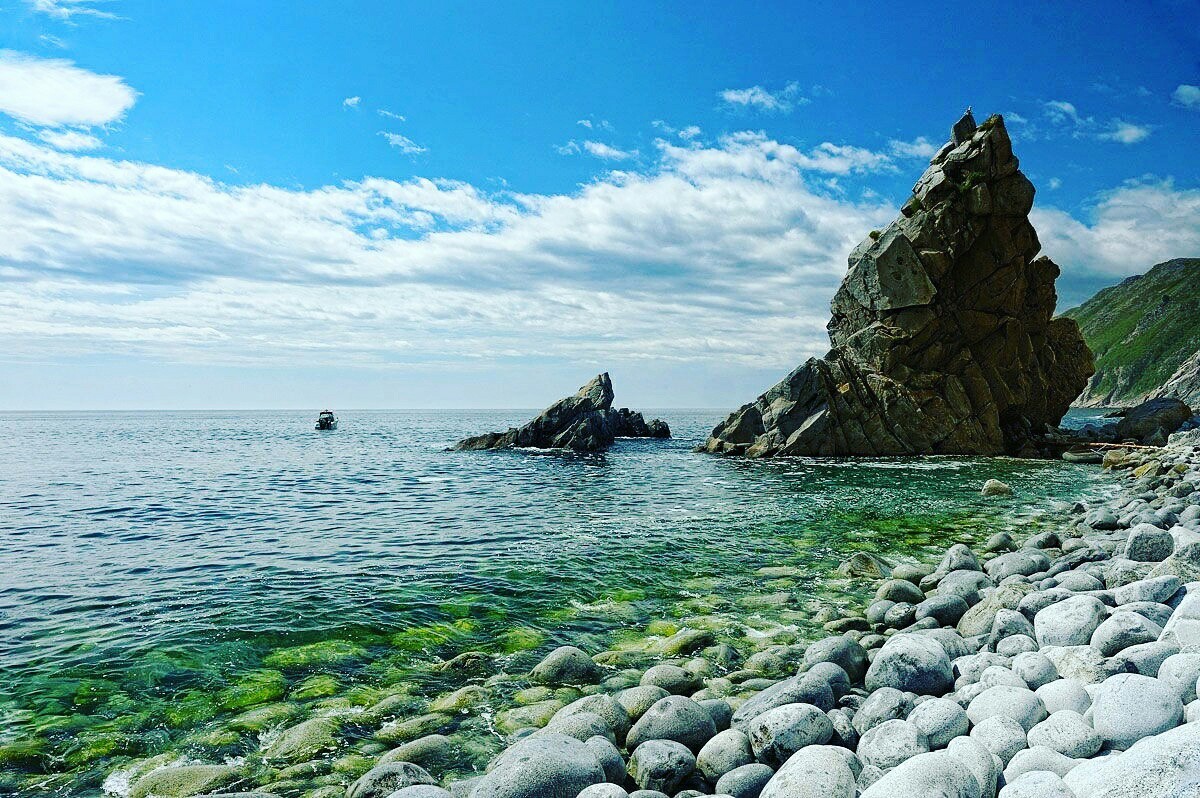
column 585, row 422
column 943, row 341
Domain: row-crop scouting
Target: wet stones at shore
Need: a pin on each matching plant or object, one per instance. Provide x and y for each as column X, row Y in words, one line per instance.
column 585, row 422
column 1072, row 673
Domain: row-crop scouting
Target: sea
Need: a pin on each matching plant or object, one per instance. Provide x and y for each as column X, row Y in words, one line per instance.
column 164, row 573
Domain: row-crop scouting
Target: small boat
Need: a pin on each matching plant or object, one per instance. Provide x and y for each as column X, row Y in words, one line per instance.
column 326, row 420
column 1082, row 454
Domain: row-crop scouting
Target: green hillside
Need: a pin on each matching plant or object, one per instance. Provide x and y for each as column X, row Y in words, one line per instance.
column 1141, row 331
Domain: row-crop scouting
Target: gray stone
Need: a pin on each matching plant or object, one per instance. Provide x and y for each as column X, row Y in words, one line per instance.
column 1069, row 622
column 899, row 591
column 673, row 718
column 778, row 733
column 1164, row 765
column 1180, row 672
column 802, row 689
column 940, row 720
column 891, row 743
column 1184, row 625
column 911, row 663
column 607, row 708
column 383, row 780
column 1067, row 733
column 660, row 765
column 603, row 791
column 1034, row 669
column 1129, row 706
column 566, row 665
column 1038, row 758
column 818, row 771
column 983, row 765
column 932, row 775
column 636, row 700
column 1064, row 694
column 1148, row 543
column 946, row 610
column 1023, row 562
column 1037, row 784
column 1016, row 644
column 547, row 765
column 883, row 704
column 841, row 651
column 1001, row 735
column 747, row 781
column 671, row 678
column 609, row 757
column 1017, row 703
column 728, row 750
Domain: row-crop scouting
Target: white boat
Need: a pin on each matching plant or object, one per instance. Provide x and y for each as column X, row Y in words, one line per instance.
column 326, row 420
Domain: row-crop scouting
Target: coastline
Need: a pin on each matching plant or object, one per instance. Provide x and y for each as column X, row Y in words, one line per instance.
column 717, row 673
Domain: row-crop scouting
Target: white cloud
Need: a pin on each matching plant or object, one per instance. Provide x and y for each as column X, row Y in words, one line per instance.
column 690, row 132
column 1064, row 115
column 69, row 139
column 1132, row 227
column 607, row 151
column 52, row 41
column 351, row 102
column 1062, row 112
column 717, row 253
column 757, row 97
column 919, row 147
column 1187, row 95
column 1125, row 132
column 391, row 115
column 52, row 92
column 1054, row 183
column 66, row 9
column 402, row 143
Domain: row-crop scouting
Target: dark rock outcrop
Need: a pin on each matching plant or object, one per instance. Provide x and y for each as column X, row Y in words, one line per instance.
column 942, row 330
column 1153, row 420
column 585, row 422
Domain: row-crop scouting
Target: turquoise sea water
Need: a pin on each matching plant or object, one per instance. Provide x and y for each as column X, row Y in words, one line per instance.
column 161, row 574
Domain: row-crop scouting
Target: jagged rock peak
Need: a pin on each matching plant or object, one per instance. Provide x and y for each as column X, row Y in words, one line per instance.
column 942, row 331
column 584, row 422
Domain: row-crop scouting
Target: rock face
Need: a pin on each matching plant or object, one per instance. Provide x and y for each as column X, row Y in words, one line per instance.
column 942, row 335
column 585, row 422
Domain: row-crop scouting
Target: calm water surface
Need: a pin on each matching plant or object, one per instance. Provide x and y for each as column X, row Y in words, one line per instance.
column 157, row 569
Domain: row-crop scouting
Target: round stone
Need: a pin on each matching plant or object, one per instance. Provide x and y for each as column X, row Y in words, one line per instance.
column 940, row 720
column 912, row 663
column 780, row 732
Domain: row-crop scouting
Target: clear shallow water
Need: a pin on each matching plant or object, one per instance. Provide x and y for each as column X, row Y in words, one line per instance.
column 158, row 570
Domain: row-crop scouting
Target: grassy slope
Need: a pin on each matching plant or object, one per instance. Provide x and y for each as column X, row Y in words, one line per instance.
column 1138, row 339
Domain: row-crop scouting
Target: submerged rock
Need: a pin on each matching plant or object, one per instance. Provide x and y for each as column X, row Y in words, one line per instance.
column 585, row 422
column 942, row 335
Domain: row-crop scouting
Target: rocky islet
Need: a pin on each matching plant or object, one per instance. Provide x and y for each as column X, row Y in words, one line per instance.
column 942, row 332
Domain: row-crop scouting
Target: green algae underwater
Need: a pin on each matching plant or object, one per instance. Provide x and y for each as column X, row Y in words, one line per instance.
column 233, row 588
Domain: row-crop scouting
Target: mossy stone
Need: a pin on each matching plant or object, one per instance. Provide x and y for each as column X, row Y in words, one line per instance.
column 183, row 780
column 534, row 715
column 412, row 728
column 461, row 699
column 321, row 685
column 353, row 765
column 532, row 695
column 257, row 687
column 324, row 653
column 522, row 639
column 262, row 718
column 304, row 740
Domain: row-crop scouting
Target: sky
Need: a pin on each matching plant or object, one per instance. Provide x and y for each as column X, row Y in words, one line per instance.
column 449, row 205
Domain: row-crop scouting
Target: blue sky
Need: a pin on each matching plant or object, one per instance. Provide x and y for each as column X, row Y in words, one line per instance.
column 230, row 204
